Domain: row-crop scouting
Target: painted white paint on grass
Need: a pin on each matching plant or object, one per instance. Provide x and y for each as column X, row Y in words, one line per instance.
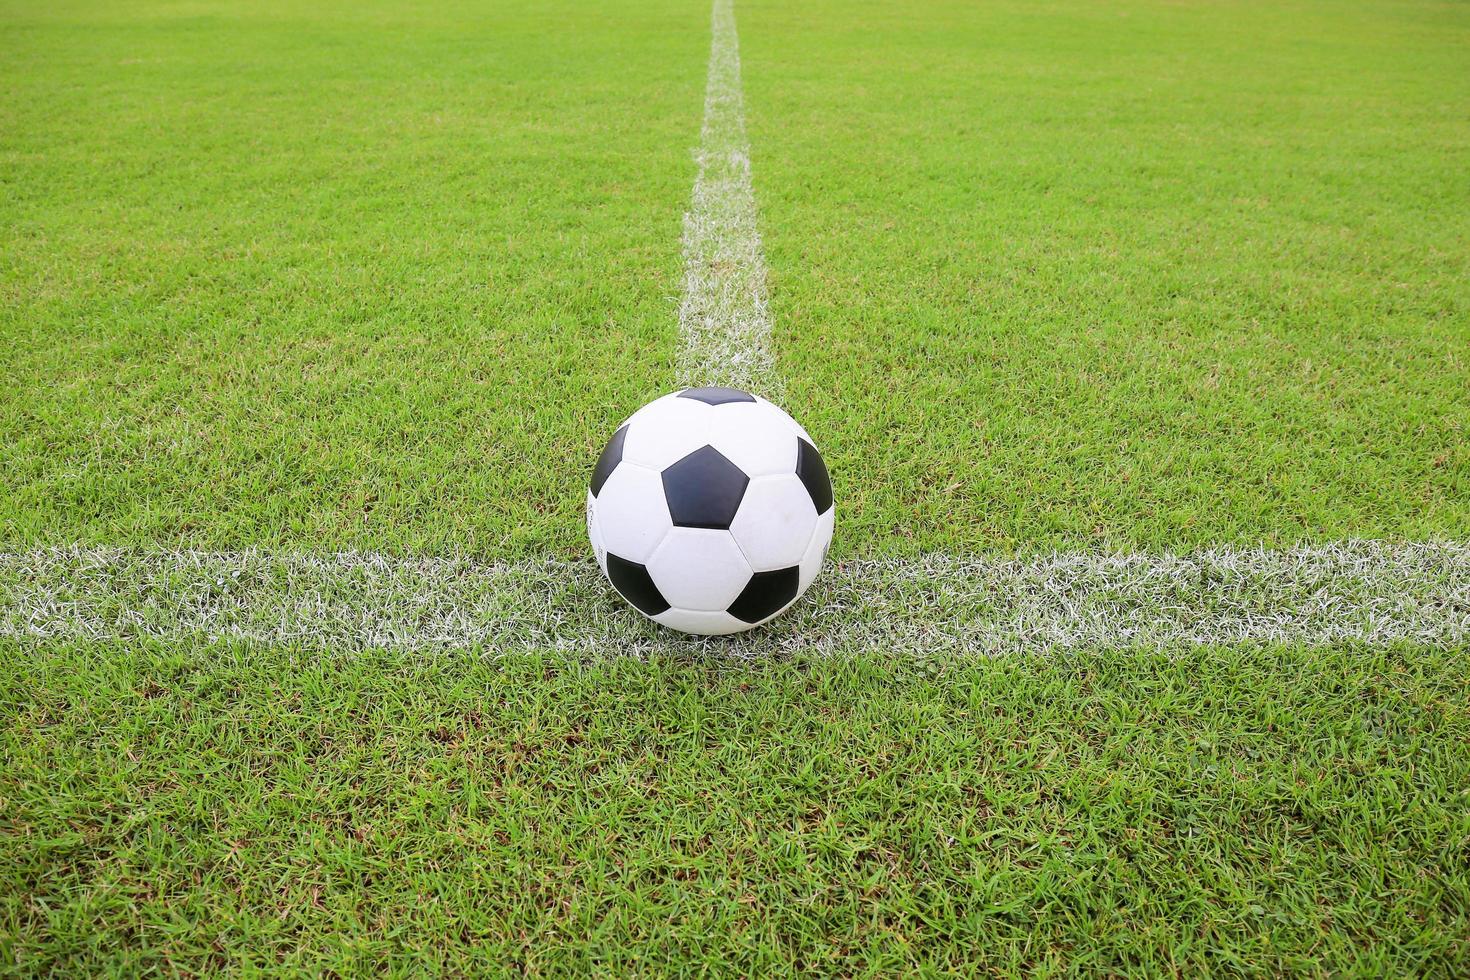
column 724, row 319
column 1358, row 591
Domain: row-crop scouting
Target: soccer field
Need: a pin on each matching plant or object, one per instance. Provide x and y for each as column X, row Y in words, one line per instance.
column 1135, row 339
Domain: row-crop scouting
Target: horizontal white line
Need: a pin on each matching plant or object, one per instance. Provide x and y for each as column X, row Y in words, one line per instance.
column 1356, row 591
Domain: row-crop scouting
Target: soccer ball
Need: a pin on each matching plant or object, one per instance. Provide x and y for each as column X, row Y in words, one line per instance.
column 710, row 510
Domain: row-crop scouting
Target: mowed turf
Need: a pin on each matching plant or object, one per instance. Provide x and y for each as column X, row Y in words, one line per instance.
column 383, row 276
column 1268, row 812
column 333, row 275
column 1142, row 275
column 1063, row 275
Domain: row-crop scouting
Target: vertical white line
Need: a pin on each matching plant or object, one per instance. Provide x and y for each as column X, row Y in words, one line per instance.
column 724, row 318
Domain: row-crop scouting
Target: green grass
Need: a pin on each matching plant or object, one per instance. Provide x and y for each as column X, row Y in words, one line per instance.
column 1154, row 274
column 1067, row 274
column 1239, row 812
column 333, row 275
column 1062, row 275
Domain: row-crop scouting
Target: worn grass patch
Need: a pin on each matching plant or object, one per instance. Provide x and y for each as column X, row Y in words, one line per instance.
column 1265, row 811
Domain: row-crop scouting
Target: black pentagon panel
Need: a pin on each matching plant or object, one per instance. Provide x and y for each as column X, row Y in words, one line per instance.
column 766, row 593
column 717, row 396
column 612, row 455
column 704, row 489
column 636, row 585
column 813, row 474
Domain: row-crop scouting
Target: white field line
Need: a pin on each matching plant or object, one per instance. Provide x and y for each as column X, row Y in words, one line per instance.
column 1356, row 591
column 723, row 318
column 1359, row 591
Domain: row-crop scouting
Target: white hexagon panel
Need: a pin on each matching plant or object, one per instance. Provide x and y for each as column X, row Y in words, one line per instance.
column 631, row 515
column 699, row 569
column 594, row 533
column 702, row 623
column 816, row 552
column 775, row 522
column 666, row 430
column 710, row 510
column 754, row 438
